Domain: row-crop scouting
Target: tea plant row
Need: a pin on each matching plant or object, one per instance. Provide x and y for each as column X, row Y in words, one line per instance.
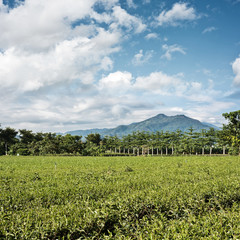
column 192, row 197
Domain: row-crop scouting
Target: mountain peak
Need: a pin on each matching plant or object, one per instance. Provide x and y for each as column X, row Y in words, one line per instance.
column 161, row 115
column 160, row 122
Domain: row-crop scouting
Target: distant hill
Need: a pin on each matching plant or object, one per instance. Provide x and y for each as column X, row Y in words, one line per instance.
column 160, row 122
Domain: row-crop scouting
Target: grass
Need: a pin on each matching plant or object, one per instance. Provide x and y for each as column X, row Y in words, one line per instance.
column 187, row 197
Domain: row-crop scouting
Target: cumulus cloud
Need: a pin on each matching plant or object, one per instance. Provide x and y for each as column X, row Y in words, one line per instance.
column 169, row 50
column 151, row 36
column 117, row 81
column 41, row 47
column 39, row 25
column 208, row 30
column 57, row 60
column 180, row 12
column 79, row 58
column 160, row 83
column 119, row 18
column 51, row 52
column 131, row 4
column 236, row 70
column 119, row 111
column 141, row 58
column 126, row 20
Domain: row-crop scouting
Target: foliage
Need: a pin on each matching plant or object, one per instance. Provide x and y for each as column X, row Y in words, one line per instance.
column 7, row 138
column 94, row 138
column 43, row 197
column 211, row 141
column 232, row 129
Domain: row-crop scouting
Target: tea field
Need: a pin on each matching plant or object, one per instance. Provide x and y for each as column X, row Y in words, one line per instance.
column 185, row 197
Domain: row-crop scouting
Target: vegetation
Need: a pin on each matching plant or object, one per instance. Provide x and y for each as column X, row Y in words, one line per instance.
column 190, row 142
column 46, row 197
column 143, row 197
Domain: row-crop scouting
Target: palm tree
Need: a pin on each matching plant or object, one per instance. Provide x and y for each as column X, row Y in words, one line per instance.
column 166, row 140
column 211, row 139
column 223, row 139
column 190, row 140
column 159, row 141
column 175, row 139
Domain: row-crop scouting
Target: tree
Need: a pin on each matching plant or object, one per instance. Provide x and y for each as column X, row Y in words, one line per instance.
column 176, row 141
column 26, row 136
column 166, row 140
column 7, row 138
column 190, row 140
column 202, row 140
column 111, row 142
column 233, row 127
column 48, row 145
column 223, row 140
column 142, row 140
column 94, row 138
column 127, row 142
column 211, row 139
column 159, row 140
column 21, row 147
column 69, row 144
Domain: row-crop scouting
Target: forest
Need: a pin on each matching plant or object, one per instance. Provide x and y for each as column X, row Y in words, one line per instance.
column 210, row 141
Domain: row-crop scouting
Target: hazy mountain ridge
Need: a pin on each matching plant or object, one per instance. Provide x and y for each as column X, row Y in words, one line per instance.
column 159, row 122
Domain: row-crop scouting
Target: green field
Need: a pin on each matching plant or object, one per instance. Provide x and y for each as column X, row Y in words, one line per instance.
column 190, row 197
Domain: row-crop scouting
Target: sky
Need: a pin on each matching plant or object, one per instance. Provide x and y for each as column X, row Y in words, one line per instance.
column 77, row 64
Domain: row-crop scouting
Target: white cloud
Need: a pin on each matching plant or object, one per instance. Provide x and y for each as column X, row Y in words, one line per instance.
column 236, row 2
column 49, row 69
column 160, row 83
column 146, row 1
column 126, row 20
column 116, row 99
column 151, row 36
column 169, row 50
column 141, row 58
column 49, row 21
column 174, row 85
column 3, row 8
column 131, row 4
column 119, row 18
column 236, row 70
column 117, row 81
column 41, row 48
column 208, row 30
column 197, row 92
column 119, row 111
column 76, row 59
column 209, row 112
column 180, row 12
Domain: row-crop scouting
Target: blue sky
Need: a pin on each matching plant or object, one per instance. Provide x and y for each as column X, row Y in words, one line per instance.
column 68, row 65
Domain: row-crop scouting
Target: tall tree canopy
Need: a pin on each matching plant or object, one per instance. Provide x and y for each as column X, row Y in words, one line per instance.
column 7, row 138
column 232, row 129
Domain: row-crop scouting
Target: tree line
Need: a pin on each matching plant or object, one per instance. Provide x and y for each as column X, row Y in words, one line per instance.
column 211, row 141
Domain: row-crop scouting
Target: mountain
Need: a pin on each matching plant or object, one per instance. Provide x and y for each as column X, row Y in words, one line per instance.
column 160, row 122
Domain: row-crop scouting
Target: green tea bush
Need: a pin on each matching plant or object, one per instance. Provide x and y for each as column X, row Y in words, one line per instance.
column 23, row 152
column 191, row 197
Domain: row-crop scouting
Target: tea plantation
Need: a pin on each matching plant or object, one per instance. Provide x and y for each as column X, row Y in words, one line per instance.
column 185, row 197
